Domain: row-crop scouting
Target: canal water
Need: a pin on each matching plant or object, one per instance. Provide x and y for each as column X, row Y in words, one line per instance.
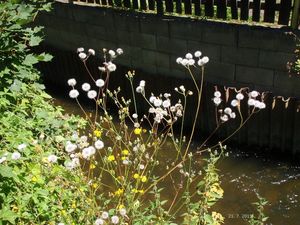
column 245, row 173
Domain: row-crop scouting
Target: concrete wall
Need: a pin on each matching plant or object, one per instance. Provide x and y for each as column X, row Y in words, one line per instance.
column 240, row 55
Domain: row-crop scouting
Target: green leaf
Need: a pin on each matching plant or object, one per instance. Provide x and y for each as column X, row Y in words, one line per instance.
column 35, row 40
column 6, row 171
column 8, row 215
column 45, row 57
column 30, row 60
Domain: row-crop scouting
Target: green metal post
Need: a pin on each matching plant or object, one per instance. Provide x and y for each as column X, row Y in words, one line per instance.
column 295, row 14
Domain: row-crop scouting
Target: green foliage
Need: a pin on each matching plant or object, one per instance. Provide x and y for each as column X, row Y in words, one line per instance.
column 32, row 191
column 260, row 218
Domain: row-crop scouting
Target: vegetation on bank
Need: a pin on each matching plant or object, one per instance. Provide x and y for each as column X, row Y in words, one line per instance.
column 51, row 172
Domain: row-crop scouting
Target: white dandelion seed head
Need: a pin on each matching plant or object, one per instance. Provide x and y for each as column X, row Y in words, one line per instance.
column 179, row 60
column 157, row 102
column 125, row 162
column 232, row 115
column 73, row 93
column 205, row 59
column 166, row 103
column 92, row 94
column 134, row 116
column 99, row 144
column 251, row 102
column 82, row 55
column 184, row 62
column 191, row 62
column 188, row 56
column 102, row 69
column 239, row 96
column 70, row 147
column 21, row 147
column 91, row 51
column 122, row 212
column 99, row 221
column 167, row 95
column 256, row 103
column 254, row 94
column 197, row 54
column 152, row 98
column 75, row 162
column 86, row 153
column 182, row 88
column 142, row 166
column 172, row 109
column 142, row 83
column 217, row 94
column 15, row 156
column 224, row 118
column 262, row 105
column 228, row 110
column 86, row 86
column 72, row 82
column 52, row 158
column 111, row 67
column 139, row 89
column 105, row 215
column 112, row 53
column 115, row 219
column 200, row 62
column 234, row 103
column 119, row 51
column 151, row 110
column 136, row 125
column 217, row 101
column 80, row 50
column 100, row 83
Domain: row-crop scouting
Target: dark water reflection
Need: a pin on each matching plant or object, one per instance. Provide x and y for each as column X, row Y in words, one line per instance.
column 243, row 174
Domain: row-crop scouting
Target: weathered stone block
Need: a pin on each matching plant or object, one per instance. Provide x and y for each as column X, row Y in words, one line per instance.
column 167, row 45
column 127, row 22
column 266, row 38
column 162, row 59
column 149, row 25
column 147, row 41
column 185, row 29
column 254, row 75
column 219, row 33
column 213, row 51
column 149, row 57
column 241, row 56
column 274, row 60
column 285, row 85
column 218, row 72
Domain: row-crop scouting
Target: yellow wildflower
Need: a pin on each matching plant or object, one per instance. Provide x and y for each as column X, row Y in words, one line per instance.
column 144, row 179
column 138, row 131
column 92, row 166
column 119, row 192
column 135, row 190
column 141, row 191
column 63, row 212
column 111, row 158
column 136, row 176
column 73, row 205
column 125, row 152
column 121, row 206
column 34, row 179
column 95, row 185
column 97, row 133
column 123, row 157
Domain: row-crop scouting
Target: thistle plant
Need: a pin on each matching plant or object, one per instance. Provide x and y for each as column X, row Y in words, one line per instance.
column 122, row 159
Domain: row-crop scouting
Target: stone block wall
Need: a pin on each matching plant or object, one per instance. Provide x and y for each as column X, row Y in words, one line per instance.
column 240, row 55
